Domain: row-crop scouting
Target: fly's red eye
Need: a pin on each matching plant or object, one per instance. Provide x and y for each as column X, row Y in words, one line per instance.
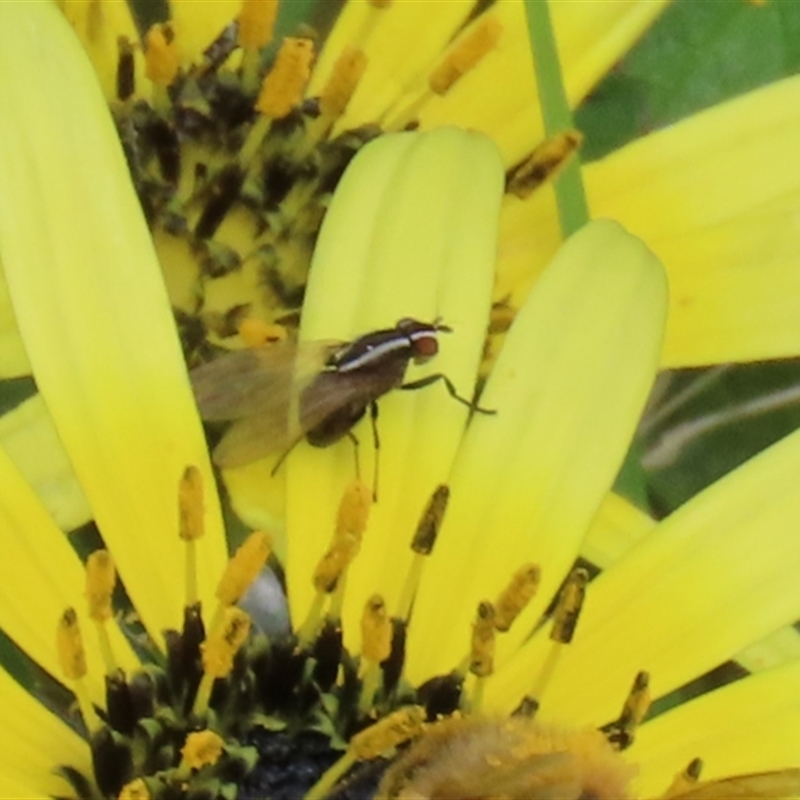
column 424, row 347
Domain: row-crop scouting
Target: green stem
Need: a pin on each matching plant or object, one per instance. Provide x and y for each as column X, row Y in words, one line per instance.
column 573, row 211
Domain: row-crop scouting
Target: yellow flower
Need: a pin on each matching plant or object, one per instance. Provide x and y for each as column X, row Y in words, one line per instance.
column 525, row 483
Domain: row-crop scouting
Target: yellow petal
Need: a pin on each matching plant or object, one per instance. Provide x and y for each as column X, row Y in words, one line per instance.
column 28, row 437
column 716, row 197
column 33, row 742
column 13, row 358
column 405, row 39
column 729, row 554
column 92, row 309
column 411, row 232
column 500, row 97
column 752, row 725
column 568, row 387
column 43, row 577
column 616, row 528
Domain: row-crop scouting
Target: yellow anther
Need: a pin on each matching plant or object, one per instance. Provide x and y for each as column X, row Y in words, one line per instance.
column 466, row 53
column 392, row 730
column 283, row 87
column 101, row 577
column 220, row 648
column 343, row 550
column 516, row 596
column 354, row 509
column 162, row 58
column 201, row 749
column 481, row 659
column 380, row 3
column 135, row 790
column 569, row 606
column 70, row 646
column 346, row 74
column 242, row 569
column 431, row 521
column 685, row 779
column 255, row 332
column 376, row 630
column 351, row 522
column 256, row 23
column 190, row 501
column 621, row 732
column 544, row 163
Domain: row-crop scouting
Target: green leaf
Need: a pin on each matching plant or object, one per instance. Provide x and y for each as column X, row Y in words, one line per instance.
column 697, row 54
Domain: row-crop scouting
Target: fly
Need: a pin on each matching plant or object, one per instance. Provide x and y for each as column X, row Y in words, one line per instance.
column 279, row 394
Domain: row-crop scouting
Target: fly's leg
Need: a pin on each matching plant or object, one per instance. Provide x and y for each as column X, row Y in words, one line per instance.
column 376, row 443
column 283, row 455
column 440, row 376
column 354, row 439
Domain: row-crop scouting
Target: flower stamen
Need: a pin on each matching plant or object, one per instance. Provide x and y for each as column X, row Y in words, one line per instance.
column 391, row 731
column 191, row 526
column 685, row 779
column 256, row 25
column 565, row 619
column 478, row 39
column 201, row 749
column 621, row 732
column 218, row 651
column 241, row 571
column 515, row 597
column 422, row 544
column 329, row 576
column 72, row 657
column 101, row 578
column 543, row 164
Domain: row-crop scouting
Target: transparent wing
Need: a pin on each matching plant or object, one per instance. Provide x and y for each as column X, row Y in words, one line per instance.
column 327, row 394
column 255, row 389
column 779, row 784
column 256, row 380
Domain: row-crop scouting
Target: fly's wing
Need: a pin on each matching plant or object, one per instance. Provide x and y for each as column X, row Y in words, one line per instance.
column 256, row 388
column 330, row 394
column 345, row 393
column 759, row 786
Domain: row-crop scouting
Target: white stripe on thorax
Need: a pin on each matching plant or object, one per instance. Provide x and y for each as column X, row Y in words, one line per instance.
column 394, row 344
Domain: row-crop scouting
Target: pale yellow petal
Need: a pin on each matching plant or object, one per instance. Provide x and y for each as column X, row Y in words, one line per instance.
column 33, row 742
column 616, row 528
column 411, row 233
column 752, row 725
column 729, row 554
column 568, row 387
column 13, row 358
column 42, row 578
column 93, row 311
column 716, row 197
column 28, row 437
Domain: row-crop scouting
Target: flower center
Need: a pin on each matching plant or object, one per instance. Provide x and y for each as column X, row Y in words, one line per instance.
column 233, row 713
